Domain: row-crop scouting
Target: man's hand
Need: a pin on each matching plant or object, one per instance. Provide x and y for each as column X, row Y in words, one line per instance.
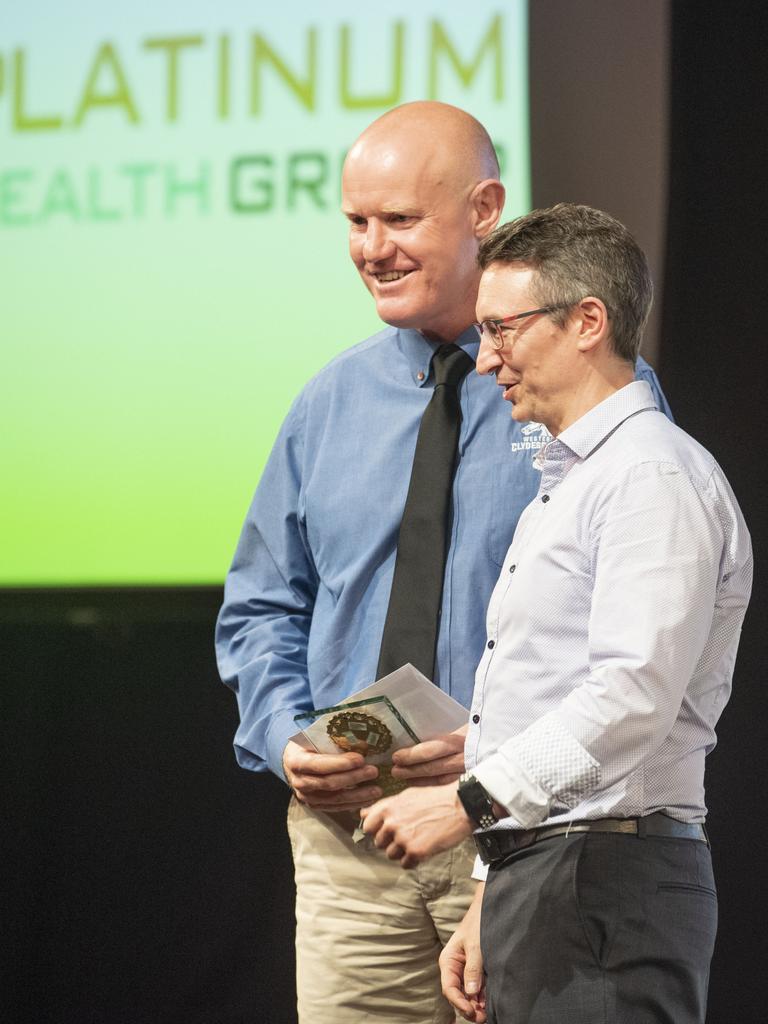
column 435, row 762
column 417, row 823
column 330, row 782
column 461, row 965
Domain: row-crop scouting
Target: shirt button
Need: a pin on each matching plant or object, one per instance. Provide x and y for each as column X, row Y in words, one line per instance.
column 420, row 375
column 545, row 498
column 512, row 568
column 491, row 643
column 475, row 719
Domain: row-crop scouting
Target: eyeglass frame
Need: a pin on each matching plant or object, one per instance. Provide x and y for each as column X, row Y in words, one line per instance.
column 494, row 333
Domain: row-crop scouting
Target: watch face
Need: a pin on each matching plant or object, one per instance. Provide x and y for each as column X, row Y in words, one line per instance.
column 477, row 802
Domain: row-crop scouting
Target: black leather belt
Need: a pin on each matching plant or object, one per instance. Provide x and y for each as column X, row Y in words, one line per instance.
column 497, row 844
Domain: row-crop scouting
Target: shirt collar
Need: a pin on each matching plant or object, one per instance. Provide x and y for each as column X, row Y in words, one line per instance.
column 419, row 351
column 591, row 429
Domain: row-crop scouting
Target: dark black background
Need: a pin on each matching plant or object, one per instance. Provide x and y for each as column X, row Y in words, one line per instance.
column 146, row 879
column 713, row 367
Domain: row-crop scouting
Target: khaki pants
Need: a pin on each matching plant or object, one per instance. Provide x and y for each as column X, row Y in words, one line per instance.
column 368, row 933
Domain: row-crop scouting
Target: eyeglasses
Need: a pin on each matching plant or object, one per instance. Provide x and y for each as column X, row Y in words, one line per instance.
column 492, row 329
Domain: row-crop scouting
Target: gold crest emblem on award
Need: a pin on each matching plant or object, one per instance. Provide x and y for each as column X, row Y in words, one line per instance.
column 358, row 732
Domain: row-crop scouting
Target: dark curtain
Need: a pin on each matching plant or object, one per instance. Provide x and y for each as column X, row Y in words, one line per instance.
column 713, row 367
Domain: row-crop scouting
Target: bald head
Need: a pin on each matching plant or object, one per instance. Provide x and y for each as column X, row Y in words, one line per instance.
column 447, row 142
column 420, row 189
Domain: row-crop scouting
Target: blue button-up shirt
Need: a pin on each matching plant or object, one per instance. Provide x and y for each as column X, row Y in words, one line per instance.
column 613, row 628
column 307, row 593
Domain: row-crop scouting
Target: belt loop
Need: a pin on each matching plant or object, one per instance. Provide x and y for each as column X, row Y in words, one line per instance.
column 706, row 836
column 641, row 828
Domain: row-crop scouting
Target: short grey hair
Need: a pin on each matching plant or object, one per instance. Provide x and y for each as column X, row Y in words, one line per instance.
column 577, row 251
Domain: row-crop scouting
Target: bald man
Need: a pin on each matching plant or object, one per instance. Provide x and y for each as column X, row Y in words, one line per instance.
column 307, row 595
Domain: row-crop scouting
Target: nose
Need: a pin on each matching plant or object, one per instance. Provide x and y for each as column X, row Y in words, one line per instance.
column 378, row 245
column 488, row 357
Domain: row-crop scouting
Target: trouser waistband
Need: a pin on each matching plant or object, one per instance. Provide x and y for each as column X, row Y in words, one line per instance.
column 495, row 845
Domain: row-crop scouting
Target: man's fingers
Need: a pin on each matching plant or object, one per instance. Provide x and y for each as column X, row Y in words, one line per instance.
column 394, row 852
column 308, row 784
column 373, row 817
column 309, row 762
column 471, row 1009
column 458, row 1002
column 375, row 824
column 411, row 859
column 451, row 978
column 450, row 765
column 384, row 835
column 419, row 752
column 473, row 979
column 429, row 750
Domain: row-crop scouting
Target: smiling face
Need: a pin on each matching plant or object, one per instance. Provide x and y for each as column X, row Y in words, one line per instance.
column 417, row 209
column 539, row 366
column 412, row 241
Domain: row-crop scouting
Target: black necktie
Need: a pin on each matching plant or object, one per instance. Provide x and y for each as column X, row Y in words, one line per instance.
column 410, row 629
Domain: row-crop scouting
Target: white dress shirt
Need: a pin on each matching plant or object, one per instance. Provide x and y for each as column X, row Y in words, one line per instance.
column 613, row 628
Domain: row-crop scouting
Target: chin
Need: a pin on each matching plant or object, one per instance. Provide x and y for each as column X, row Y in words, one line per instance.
column 397, row 317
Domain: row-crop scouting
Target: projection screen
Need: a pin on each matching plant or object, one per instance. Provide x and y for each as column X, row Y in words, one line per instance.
column 174, row 262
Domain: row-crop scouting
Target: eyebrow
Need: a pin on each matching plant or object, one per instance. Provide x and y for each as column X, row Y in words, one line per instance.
column 384, row 211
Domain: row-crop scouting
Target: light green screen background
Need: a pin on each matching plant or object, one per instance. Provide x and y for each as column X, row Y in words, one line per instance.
column 173, row 258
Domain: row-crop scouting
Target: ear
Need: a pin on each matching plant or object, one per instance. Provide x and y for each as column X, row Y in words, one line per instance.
column 487, row 202
column 590, row 318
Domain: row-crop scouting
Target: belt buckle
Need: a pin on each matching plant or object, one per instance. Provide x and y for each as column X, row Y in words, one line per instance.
column 485, row 846
column 497, row 844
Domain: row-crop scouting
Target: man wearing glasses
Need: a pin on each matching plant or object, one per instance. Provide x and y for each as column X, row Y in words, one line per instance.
column 611, row 638
column 310, row 594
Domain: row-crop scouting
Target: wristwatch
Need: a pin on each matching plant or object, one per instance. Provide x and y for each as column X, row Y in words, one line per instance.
column 477, row 801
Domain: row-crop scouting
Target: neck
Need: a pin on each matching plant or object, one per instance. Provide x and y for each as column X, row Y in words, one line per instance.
column 461, row 315
column 594, row 389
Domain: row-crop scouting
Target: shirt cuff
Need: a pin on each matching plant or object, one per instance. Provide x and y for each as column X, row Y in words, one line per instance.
column 479, row 870
column 511, row 786
column 540, row 766
column 281, row 729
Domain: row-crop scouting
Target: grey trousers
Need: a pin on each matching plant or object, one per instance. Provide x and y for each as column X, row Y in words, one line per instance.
column 600, row 928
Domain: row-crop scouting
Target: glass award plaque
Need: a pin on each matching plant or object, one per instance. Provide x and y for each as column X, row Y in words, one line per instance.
column 372, row 727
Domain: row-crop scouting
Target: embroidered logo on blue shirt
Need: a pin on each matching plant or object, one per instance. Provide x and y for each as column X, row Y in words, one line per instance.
column 535, row 436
